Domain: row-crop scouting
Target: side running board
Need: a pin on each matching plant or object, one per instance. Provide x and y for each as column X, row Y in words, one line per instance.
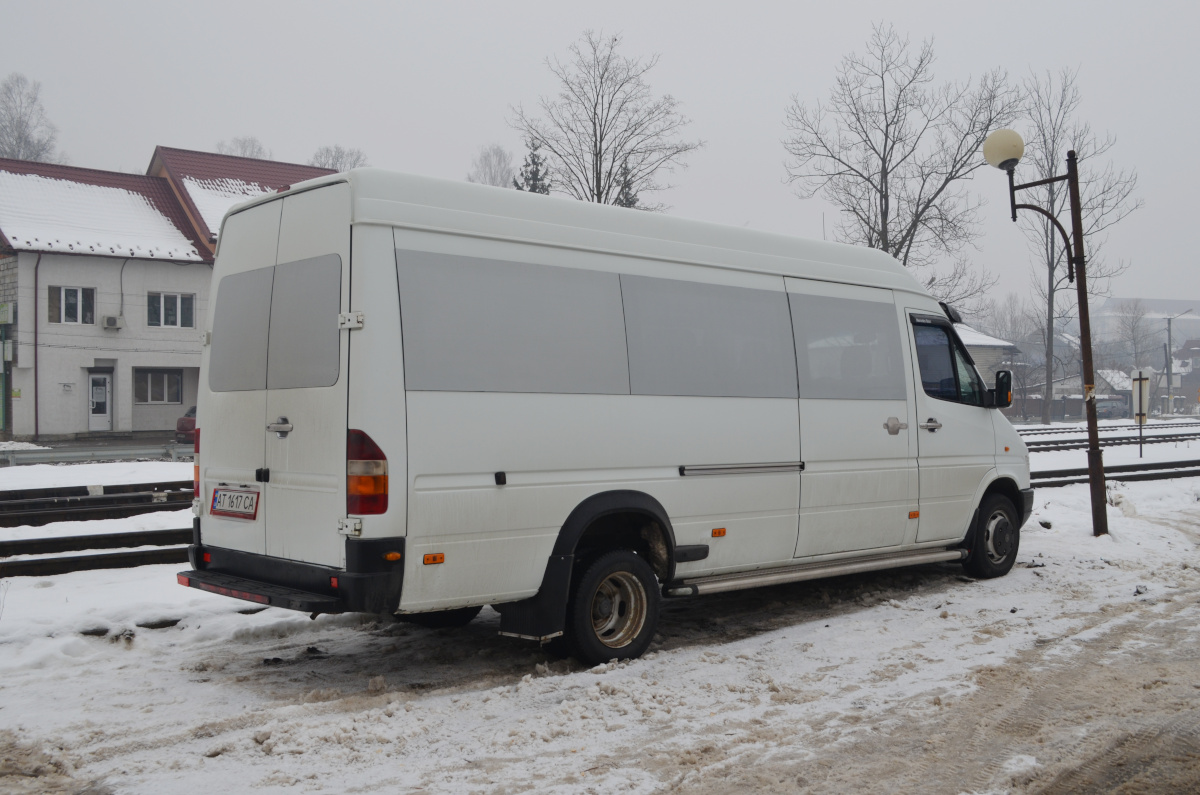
column 808, row 571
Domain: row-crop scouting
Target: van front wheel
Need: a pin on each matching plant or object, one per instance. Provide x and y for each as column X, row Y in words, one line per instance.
column 997, row 538
column 614, row 612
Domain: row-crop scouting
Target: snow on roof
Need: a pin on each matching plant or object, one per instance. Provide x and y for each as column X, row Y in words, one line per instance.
column 39, row 213
column 1116, row 379
column 214, row 197
column 977, row 339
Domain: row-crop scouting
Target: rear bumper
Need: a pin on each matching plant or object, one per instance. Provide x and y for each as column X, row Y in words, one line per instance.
column 369, row 584
column 1026, row 505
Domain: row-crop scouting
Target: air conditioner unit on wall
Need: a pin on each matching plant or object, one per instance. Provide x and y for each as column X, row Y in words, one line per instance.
column 113, row 321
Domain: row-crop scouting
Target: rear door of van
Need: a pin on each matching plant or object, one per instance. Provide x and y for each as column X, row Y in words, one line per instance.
column 274, row 411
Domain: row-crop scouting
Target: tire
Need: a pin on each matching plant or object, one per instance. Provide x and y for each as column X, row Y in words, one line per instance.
column 442, row 619
column 995, row 540
column 613, row 612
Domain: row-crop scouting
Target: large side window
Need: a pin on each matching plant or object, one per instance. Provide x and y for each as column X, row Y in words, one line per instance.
column 946, row 371
column 482, row 325
column 304, row 348
column 688, row 338
column 238, row 359
column 847, row 349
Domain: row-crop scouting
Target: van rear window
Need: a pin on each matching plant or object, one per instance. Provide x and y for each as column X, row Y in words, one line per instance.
column 277, row 328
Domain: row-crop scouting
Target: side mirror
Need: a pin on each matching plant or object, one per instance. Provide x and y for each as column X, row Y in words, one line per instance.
column 1002, row 395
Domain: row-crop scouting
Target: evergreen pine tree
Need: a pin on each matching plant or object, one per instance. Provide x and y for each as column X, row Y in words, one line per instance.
column 626, row 196
column 535, row 173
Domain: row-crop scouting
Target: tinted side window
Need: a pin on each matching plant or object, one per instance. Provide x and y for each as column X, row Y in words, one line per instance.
column 482, row 325
column 687, row 338
column 238, row 359
column 946, row 373
column 305, row 343
column 847, row 349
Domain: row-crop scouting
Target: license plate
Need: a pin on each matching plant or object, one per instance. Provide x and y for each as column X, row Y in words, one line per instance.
column 240, row 504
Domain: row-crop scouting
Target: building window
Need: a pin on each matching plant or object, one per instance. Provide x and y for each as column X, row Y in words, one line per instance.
column 158, row 386
column 71, row 305
column 171, row 310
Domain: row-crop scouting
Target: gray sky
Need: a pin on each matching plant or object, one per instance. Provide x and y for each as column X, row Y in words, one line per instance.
column 420, row 86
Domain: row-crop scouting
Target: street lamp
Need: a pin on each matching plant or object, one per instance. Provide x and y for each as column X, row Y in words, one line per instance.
column 1171, row 362
column 1003, row 149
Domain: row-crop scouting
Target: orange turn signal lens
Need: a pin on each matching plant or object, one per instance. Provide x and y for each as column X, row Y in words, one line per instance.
column 913, row 514
column 436, row 557
column 392, row 556
column 718, row 532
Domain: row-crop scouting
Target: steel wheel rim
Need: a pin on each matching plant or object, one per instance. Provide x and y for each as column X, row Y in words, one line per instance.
column 618, row 609
column 998, row 536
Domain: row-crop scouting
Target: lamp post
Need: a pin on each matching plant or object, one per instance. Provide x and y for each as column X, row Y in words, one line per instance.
column 1003, row 149
column 1171, row 362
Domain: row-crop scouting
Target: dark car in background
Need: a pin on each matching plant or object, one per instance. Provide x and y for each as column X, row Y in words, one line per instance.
column 185, row 427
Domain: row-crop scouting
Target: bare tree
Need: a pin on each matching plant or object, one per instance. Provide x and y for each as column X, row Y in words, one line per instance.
column 25, row 132
column 246, row 146
column 605, row 119
column 1106, row 196
column 892, row 150
column 1136, row 336
column 492, row 166
column 338, row 158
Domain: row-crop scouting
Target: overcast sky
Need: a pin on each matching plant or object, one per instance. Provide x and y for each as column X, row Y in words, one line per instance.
column 420, row 86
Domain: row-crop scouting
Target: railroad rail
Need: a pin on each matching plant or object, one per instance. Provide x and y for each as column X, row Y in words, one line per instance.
column 1050, row 478
column 1046, row 445
column 37, row 507
column 174, row 542
column 1156, row 426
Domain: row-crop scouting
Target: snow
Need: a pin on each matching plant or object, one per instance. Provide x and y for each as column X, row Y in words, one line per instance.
column 21, row 446
column 214, row 197
column 43, row 214
column 1117, row 379
column 792, row 681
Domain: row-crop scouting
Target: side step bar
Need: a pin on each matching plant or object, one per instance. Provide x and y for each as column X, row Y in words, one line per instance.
column 809, row 571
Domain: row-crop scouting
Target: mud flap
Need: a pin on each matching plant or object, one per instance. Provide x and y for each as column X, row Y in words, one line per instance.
column 543, row 616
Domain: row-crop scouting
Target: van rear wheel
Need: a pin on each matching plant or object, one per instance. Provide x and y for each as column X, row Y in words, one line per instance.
column 997, row 537
column 614, row 610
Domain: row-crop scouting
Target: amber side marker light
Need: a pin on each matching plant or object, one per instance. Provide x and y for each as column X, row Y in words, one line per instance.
column 436, row 557
column 392, row 556
column 718, row 532
column 913, row 514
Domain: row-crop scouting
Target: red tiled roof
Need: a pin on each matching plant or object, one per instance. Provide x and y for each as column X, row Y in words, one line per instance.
column 208, row 166
column 156, row 191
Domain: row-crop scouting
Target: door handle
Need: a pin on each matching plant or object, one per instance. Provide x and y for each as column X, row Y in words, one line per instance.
column 281, row 427
column 930, row 425
column 894, row 426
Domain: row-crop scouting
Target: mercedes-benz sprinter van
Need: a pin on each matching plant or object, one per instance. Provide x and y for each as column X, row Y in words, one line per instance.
column 421, row 397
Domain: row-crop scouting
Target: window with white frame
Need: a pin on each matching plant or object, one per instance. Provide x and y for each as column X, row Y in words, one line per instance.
column 71, row 305
column 157, row 386
column 172, row 310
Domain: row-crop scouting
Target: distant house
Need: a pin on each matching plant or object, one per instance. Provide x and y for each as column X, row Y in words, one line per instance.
column 104, row 280
column 990, row 353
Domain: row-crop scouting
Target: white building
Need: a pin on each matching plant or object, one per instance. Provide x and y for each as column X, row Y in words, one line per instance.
column 105, row 277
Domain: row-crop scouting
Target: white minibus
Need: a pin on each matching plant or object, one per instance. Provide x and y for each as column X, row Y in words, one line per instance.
column 421, row 397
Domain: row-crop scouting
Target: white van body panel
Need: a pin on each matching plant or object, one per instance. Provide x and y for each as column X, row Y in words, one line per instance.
column 861, row 490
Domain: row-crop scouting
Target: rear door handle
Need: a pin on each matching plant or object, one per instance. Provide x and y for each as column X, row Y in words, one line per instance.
column 930, row 425
column 281, row 427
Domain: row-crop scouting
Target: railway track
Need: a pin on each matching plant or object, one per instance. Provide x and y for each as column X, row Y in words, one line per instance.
column 1109, row 428
column 1046, row 445
column 173, row 542
column 38, row 507
column 1051, row 478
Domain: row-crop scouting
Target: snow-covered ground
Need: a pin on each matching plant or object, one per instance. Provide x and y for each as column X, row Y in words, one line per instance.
column 1078, row 670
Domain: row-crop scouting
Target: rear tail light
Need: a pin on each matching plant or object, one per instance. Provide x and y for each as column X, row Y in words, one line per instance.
column 196, row 464
column 366, row 475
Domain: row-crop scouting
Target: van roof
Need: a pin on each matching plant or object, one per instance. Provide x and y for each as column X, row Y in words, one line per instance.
column 406, row 200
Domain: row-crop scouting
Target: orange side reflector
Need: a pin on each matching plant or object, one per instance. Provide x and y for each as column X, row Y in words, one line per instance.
column 1006, row 448
column 913, row 514
column 718, row 532
column 392, row 556
column 436, row 557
